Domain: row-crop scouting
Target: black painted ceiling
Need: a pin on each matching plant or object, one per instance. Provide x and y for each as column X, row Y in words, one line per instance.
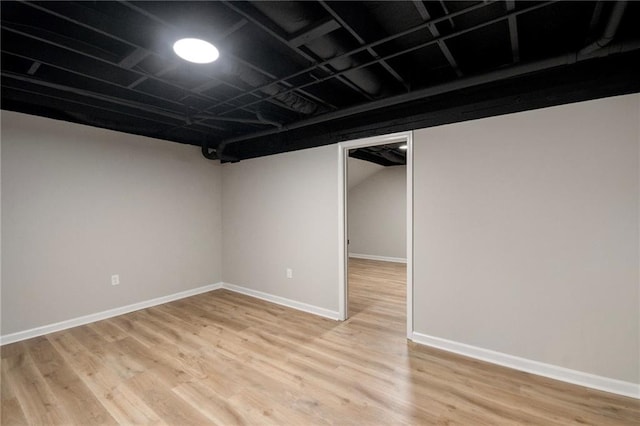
column 294, row 75
column 383, row 155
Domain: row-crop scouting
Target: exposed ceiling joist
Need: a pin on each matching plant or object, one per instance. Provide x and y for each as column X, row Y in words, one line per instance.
column 299, row 74
column 134, row 58
column 317, row 30
column 513, row 31
column 357, row 34
column 278, row 35
column 426, row 16
column 413, row 48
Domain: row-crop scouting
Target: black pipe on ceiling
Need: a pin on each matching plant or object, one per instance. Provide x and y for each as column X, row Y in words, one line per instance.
column 255, row 79
column 514, row 71
column 610, row 30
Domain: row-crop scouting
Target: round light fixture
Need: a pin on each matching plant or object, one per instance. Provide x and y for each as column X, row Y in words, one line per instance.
column 403, row 147
column 196, row 50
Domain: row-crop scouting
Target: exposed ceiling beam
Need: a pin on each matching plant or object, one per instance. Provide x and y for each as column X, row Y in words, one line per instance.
column 371, row 44
column 121, row 55
column 83, row 106
column 136, row 105
column 134, row 45
column 100, row 96
column 105, row 61
column 316, row 30
column 266, row 73
column 134, row 58
column 205, row 86
column 108, row 33
column 34, row 67
column 275, row 32
column 204, row 117
column 513, row 32
column 426, row 16
column 165, row 70
column 362, row 42
column 465, row 82
column 416, row 47
column 199, row 89
column 55, row 61
column 232, row 29
column 446, row 12
column 137, row 82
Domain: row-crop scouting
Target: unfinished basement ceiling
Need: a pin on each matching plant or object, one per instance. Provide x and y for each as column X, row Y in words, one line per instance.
column 293, row 75
column 393, row 154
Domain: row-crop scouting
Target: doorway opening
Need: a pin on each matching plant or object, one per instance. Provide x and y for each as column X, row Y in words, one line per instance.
column 374, row 144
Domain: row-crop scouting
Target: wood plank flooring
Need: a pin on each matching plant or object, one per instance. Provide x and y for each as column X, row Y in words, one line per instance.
column 224, row 358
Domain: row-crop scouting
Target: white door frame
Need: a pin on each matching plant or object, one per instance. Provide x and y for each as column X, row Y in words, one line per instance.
column 343, row 155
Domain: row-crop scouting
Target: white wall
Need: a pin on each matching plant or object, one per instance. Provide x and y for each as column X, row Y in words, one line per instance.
column 281, row 212
column 360, row 170
column 81, row 203
column 527, row 235
column 526, row 228
column 377, row 210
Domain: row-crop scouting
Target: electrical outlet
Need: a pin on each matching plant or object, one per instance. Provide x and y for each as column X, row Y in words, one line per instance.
column 115, row 279
column 289, row 273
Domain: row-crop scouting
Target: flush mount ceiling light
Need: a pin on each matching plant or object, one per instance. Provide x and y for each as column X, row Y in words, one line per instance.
column 196, row 50
column 403, row 147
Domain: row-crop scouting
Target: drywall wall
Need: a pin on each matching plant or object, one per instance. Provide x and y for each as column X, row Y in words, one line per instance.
column 359, row 170
column 526, row 228
column 0, row 224
column 377, row 210
column 81, row 203
column 281, row 212
column 527, row 235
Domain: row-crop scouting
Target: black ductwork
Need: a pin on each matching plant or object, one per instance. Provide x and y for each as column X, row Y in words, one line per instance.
column 463, row 83
column 254, row 79
column 295, row 75
column 216, row 154
column 610, row 30
column 209, row 153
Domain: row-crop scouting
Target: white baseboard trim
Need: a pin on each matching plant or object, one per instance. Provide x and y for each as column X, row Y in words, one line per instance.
column 334, row 315
column 374, row 257
column 86, row 319
column 593, row 381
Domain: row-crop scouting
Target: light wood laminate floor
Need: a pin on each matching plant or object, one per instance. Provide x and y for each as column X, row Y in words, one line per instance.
column 223, row 358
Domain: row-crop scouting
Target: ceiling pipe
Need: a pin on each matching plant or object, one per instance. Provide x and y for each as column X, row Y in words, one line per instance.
column 264, row 120
column 292, row 17
column 610, row 30
column 593, row 50
column 209, row 153
column 433, row 41
column 215, row 154
column 463, row 83
column 255, row 79
column 373, row 44
column 204, row 117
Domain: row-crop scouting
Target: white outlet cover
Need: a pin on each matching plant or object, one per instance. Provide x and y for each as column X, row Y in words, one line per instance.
column 115, row 279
